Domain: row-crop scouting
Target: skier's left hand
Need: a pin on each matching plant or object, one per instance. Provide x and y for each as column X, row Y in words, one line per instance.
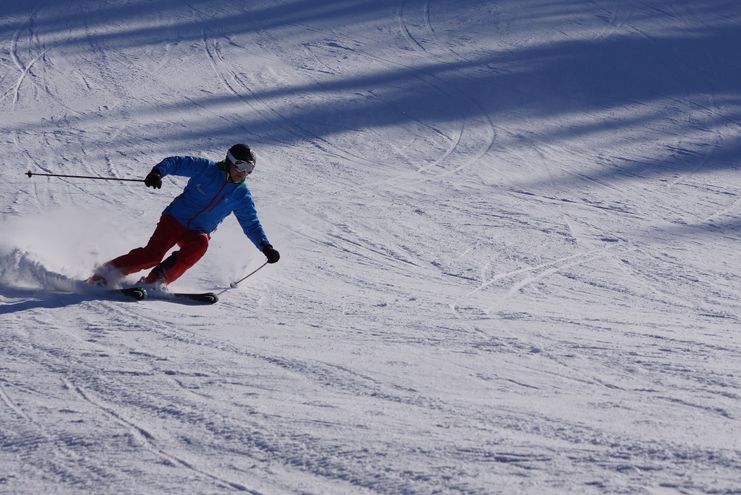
column 271, row 254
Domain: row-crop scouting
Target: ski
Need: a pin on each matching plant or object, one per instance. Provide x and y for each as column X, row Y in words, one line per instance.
column 197, row 297
column 140, row 293
column 184, row 297
column 137, row 293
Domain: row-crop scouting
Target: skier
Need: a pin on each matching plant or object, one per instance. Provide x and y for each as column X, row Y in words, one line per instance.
column 215, row 190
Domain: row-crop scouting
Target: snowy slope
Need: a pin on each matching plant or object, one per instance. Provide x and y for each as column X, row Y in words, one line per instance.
column 509, row 236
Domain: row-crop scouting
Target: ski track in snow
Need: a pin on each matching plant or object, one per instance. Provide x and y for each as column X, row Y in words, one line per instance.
column 462, row 100
column 22, row 68
column 503, row 270
column 149, row 440
column 240, row 89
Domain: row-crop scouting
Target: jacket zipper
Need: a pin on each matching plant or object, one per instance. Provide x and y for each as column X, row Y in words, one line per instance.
column 211, row 204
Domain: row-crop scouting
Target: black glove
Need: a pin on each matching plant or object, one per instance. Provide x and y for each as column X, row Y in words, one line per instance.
column 270, row 252
column 154, row 179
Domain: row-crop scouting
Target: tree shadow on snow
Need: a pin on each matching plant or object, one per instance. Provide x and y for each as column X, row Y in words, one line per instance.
column 692, row 66
column 730, row 229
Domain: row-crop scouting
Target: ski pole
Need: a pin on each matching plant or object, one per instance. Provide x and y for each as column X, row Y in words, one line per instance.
column 233, row 285
column 31, row 174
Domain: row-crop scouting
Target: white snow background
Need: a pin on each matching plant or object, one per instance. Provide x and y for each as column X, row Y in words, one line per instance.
column 509, row 235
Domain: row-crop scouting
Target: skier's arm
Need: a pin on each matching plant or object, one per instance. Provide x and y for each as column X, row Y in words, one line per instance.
column 247, row 217
column 186, row 166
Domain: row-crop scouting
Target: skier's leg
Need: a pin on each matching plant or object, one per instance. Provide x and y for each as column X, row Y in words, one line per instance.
column 193, row 245
column 165, row 236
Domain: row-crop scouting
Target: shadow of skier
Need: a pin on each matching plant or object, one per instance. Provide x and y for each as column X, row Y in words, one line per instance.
column 42, row 299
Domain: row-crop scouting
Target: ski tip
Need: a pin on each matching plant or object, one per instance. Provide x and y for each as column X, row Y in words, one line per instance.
column 204, row 298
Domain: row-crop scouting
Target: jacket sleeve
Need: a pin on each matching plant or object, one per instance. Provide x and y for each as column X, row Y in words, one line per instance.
column 185, row 166
column 246, row 215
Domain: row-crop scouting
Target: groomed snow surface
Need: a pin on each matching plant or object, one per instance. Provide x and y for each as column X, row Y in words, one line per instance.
column 509, row 236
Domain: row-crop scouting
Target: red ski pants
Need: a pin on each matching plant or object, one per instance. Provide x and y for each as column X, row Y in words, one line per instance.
column 169, row 232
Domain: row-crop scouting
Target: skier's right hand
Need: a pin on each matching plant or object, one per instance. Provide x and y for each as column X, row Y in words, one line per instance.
column 154, row 179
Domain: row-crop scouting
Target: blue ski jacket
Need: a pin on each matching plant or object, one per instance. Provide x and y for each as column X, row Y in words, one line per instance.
column 209, row 197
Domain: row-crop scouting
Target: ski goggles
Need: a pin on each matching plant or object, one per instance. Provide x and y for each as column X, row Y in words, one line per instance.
column 245, row 166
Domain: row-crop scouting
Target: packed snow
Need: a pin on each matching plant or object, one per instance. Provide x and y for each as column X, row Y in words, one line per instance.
column 509, row 236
